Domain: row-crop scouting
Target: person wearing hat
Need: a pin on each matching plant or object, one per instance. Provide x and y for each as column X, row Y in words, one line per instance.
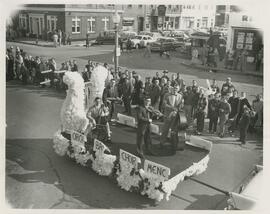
column 227, row 87
column 243, row 102
column 156, row 77
column 165, row 75
column 144, row 128
column 223, row 114
column 244, row 124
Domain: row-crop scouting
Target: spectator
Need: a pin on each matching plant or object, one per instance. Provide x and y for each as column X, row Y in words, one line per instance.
column 111, row 91
column 201, row 111
column 224, row 111
column 243, row 102
column 259, row 60
column 126, row 96
column 213, row 113
column 165, row 75
column 148, row 85
column 204, row 54
column 188, row 96
column 69, row 38
column 155, row 95
column 60, row 35
column 64, row 38
column 164, row 90
column 227, row 88
column 87, row 41
column 234, row 102
column 88, row 71
column 137, row 88
column 18, row 63
column 156, row 77
column 215, row 87
column 179, row 81
column 243, row 60
column 236, row 57
column 194, row 86
column 55, row 39
column 244, row 124
column 129, row 45
column 147, row 51
column 173, row 81
column 75, row 66
column 257, row 105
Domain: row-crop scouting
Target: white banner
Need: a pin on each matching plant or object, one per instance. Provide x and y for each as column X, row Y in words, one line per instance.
column 126, row 120
column 99, row 146
column 78, row 138
column 128, row 158
column 156, row 170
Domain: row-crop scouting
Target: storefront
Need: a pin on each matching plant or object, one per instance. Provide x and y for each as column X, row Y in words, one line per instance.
column 250, row 39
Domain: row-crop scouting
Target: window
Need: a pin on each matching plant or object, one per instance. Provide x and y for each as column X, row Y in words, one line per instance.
column 76, row 22
column 170, row 6
column 129, row 5
column 244, row 18
column 91, row 25
column 140, row 6
column 204, row 22
column 51, row 23
column 198, row 22
column 151, row 6
column 105, row 20
column 22, row 21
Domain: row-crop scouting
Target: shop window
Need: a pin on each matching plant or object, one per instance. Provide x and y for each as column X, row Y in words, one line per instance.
column 140, row 6
column 130, row 6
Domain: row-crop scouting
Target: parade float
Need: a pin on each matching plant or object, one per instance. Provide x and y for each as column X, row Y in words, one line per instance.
column 155, row 176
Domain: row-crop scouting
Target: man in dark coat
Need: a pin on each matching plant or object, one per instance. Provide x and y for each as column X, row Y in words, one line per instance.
column 144, row 128
column 244, row 124
column 213, row 113
column 126, row 93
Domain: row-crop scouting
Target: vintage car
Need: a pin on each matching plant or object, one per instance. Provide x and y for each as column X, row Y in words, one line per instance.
column 249, row 192
column 154, row 35
column 106, row 37
column 167, row 42
column 140, row 41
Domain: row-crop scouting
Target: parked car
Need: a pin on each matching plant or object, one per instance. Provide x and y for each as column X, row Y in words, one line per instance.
column 125, row 34
column 249, row 192
column 106, row 37
column 154, row 35
column 167, row 42
column 141, row 41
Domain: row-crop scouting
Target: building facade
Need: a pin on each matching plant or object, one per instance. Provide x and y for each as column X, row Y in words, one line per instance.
column 198, row 16
column 75, row 20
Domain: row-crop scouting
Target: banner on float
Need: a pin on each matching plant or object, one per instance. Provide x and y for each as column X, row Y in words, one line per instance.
column 156, row 170
column 87, row 92
column 78, row 139
column 154, row 128
column 129, row 159
column 100, row 147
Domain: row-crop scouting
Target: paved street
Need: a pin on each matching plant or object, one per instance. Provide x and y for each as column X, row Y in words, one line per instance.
column 37, row 178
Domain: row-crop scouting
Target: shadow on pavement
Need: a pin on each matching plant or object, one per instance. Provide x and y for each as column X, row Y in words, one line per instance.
column 37, row 157
column 211, row 200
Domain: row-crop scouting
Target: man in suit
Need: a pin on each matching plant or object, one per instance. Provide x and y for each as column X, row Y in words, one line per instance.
column 144, row 128
column 111, row 91
column 126, row 93
column 173, row 102
column 155, row 94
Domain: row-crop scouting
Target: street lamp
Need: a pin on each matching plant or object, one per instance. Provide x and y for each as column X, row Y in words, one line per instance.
column 116, row 21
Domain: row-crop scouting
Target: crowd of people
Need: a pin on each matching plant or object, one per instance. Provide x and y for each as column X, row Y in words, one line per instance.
column 225, row 109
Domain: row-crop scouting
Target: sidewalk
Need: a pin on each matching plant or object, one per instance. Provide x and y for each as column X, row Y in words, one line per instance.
column 43, row 43
column 219, row 69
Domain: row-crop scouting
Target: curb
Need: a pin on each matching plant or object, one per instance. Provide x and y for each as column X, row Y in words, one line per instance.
column 220, row 70
column 46, row 45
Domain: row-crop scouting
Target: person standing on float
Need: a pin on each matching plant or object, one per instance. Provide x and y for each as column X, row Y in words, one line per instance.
column 144, row 128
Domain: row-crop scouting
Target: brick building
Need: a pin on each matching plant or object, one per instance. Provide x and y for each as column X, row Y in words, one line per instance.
column 74, row 19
